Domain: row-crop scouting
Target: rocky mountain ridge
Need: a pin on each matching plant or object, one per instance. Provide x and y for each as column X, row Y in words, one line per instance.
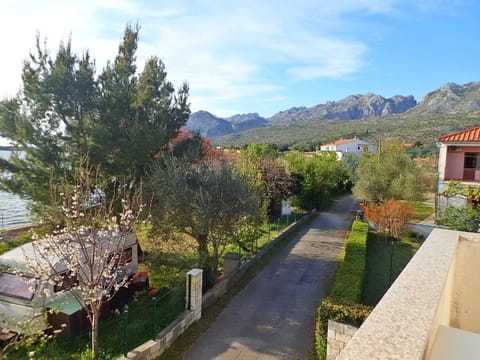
column 450, row 98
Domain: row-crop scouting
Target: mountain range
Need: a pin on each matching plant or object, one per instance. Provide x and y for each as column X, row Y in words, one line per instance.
column 448, row 99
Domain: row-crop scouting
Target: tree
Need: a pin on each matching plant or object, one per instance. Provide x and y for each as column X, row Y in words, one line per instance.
column 269, row 173
column 391, row 216
column 90, row 243
column 121, row 119
column 208, row 201
column 389, row 174
column 321, row 178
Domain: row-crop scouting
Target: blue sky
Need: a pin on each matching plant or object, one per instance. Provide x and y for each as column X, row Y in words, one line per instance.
column 263, row 56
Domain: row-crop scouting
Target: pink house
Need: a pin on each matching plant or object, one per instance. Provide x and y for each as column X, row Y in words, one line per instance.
column 459, row 160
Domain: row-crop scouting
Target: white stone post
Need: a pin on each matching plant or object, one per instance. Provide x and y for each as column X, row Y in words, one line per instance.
column 194, row 292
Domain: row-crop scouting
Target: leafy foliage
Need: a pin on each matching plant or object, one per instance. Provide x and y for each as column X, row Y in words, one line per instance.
column 269, row 174
column 348, row 283
column 343, row 302
column 64, row 112
column 391, row 216
column 208, row 201
column 320, row 178
column 388, row 174
column 462, row 219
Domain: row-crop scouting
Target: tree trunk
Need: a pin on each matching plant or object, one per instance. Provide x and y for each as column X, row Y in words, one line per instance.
column 94, row 333
column 205, row 262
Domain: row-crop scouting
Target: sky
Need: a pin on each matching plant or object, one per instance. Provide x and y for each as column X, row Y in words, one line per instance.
column 262, row 56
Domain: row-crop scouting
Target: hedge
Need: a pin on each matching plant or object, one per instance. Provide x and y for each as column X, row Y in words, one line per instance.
column 343, row 304
column 349, row 280
column 334, row 309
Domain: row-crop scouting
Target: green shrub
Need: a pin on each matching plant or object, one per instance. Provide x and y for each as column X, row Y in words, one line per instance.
column 349, row 280
column 334, row 309
column 343, row 302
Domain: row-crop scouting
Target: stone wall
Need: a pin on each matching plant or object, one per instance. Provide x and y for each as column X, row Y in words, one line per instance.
column 154, row 348
column 337, row 337
column 212, row 295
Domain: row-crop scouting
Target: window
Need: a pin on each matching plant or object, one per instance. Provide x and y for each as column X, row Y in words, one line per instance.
column 472, row 161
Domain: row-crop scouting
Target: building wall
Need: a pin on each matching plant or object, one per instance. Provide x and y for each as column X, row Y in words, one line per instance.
column 454, row 165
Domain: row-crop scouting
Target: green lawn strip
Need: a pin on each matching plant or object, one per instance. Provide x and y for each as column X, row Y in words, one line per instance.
column 377, row 273
column 421, row 211
column 343, row 302
column 169, row 305
column 210, row 314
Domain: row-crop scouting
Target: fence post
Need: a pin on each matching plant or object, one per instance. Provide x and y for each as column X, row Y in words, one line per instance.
column 268, row 236
column 125, row 332
column 154, row 317
column 278, row 226
column 194, row 292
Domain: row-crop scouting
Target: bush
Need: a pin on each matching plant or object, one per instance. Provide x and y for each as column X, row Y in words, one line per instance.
column 349, row 280
column 338, row 310
column 343, row 302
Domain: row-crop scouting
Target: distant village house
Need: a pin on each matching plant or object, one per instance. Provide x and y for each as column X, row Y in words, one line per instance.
column 348, row 146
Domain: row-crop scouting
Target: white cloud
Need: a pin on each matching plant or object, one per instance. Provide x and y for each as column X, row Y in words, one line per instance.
column 237, row 50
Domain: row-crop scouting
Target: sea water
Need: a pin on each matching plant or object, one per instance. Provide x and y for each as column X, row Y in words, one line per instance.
column 13, row 210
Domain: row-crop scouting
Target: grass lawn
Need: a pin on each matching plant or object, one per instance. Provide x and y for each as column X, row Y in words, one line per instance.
column 377, row 272
column 167, row 262
column 421, row 211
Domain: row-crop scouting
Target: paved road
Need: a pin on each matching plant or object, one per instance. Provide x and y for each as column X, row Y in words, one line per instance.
column 273, row 317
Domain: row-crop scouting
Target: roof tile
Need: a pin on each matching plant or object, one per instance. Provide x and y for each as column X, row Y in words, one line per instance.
column 468, row 135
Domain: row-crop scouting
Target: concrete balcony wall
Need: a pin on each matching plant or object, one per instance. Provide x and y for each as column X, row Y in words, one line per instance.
column 438, row 288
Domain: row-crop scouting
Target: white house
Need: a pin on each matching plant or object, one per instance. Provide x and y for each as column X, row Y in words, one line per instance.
column 349, row 146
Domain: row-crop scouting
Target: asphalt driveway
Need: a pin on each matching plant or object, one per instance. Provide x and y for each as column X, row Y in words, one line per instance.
column 273, row 316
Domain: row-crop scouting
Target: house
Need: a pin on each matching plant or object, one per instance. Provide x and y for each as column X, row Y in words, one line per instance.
column 25, row 296
column 348, row 146
column 458, row 160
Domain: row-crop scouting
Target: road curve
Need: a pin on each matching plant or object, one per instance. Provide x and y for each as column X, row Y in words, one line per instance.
column 273, row 316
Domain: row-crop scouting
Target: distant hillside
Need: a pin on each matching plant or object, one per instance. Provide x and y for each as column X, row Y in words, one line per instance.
column 451, row 107
column 310, row 134
column 353, row 107
column 211, row 126
column 450, row 98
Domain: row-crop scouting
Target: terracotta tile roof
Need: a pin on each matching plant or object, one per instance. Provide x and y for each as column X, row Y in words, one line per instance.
column 340, row 142
column 468, row 135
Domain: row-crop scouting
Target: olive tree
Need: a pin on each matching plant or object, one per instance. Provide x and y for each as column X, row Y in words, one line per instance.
column 208, row 201
column 389, row 174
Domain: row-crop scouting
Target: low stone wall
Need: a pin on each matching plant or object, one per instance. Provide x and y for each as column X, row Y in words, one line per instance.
column 337, row 337
column 152, row 349
column 227, row 283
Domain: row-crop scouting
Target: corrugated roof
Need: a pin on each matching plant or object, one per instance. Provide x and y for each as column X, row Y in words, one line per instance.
column 468, row 135
column 340, row 142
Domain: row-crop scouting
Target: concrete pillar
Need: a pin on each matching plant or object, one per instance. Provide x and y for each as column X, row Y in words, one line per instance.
column 231, row 262
column 194, row 292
